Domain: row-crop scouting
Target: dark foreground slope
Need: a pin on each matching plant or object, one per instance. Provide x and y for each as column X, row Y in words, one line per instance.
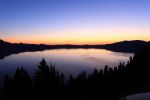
column 107, row 84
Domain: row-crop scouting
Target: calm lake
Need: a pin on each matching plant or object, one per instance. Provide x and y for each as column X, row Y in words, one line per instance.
column 67, row 61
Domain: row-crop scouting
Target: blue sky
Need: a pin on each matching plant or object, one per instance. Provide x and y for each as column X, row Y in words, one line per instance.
column 78, row 21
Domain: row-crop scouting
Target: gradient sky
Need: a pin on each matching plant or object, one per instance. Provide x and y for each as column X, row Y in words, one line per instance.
column 74, row 21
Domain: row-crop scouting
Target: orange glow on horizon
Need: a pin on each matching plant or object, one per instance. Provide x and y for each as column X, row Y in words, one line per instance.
column 78, row 41
column 99, row 36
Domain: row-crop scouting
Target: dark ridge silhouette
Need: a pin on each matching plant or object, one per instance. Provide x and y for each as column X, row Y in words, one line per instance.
column 3, row 43
column 127, row 46
column 7, row 48
column 107, row 84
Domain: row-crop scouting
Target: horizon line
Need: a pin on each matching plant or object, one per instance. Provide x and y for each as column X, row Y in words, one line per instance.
column 70, row 44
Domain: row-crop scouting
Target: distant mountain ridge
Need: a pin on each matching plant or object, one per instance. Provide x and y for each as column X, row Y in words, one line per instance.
column 2, row 43
column 7, row 48
column 127, row 46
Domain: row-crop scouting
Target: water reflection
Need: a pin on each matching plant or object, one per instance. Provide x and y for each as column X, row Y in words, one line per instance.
column 68, row 61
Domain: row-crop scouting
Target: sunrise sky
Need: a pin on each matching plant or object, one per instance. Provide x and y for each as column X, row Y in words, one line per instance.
column 74, row 21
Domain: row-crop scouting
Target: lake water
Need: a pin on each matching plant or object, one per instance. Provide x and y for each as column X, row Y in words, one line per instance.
column 68, row 61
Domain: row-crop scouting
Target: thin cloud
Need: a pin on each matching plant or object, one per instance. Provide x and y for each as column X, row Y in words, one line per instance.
column 1, row 32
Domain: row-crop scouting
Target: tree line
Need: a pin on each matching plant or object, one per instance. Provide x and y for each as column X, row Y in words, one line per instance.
column 105, row 84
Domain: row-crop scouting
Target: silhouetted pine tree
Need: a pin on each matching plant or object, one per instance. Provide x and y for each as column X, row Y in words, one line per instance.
column 7, row 93
column 46, row 81
column 42, row 81
column 22, row 84
column 19, row 87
